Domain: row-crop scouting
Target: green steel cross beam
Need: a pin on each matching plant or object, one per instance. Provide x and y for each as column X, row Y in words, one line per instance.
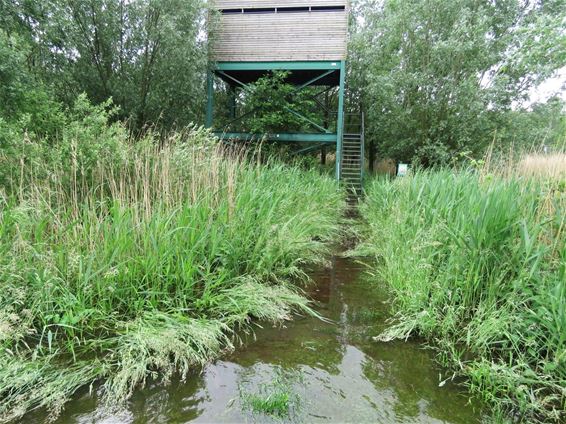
column 237, row 81
column 291, row 137
column 310, row 148
column 304, row 118
column 298, row 89
column 313, row 80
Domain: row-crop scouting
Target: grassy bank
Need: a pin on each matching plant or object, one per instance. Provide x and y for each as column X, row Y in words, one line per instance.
column 476, row 263
column 120, row 261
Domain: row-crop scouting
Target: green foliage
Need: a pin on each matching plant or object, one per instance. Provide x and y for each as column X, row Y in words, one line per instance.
column 120, row 261
column 476, row 264
column 25, row 104
column 149, row 56
column 440, row 77
column 270, row 101
column 81, row 140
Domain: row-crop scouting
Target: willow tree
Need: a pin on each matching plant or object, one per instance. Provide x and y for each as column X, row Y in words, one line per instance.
column 149, row 56
column 437, row 77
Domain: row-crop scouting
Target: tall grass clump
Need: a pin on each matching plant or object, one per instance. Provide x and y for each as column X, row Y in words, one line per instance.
column 476, row 263
column 120, row 261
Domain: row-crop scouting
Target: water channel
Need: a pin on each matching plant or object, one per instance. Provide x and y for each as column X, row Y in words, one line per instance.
column 343, row 375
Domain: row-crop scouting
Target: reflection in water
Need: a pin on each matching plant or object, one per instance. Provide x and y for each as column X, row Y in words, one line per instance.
column 346, row 377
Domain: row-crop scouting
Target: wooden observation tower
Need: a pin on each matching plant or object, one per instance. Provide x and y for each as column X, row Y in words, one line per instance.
column 307, row 39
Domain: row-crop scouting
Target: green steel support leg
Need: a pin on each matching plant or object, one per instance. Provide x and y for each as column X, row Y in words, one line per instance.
column 210, row 99
column 340, row 123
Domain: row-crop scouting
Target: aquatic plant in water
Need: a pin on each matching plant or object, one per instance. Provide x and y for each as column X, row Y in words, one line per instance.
column 277, row 398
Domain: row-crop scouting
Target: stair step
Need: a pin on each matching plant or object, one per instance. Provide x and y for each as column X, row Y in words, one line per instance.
column 352, row 160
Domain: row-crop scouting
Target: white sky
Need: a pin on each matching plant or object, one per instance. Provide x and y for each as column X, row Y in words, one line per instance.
column 550, row 87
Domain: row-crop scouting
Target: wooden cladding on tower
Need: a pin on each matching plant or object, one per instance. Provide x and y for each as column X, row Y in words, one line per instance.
column 274, row 31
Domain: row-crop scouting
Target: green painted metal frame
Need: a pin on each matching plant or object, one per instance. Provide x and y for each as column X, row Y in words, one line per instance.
column 310, row 148
column 291, row 137
column 324, row 137
column 340, row 120
column 274, row 66
column 210, row 98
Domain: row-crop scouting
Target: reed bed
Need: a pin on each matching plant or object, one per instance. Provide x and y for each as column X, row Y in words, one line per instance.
column 541, row 165
column 144, row 264
column 476, row 263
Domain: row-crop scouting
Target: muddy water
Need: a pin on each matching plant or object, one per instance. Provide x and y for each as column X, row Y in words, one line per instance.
column 344, row 376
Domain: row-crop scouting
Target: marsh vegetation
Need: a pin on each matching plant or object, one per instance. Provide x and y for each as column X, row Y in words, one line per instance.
column 476, row 263
column 135, row 247
column 121, row 261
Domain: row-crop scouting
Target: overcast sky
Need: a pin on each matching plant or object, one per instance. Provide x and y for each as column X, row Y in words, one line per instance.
column 550, row 87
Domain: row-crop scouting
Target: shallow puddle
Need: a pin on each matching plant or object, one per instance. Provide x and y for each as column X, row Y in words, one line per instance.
column 342, row 375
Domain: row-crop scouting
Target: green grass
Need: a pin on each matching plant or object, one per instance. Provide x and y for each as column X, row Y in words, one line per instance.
column 276, row 398
column 477, row 264
column 143, row 265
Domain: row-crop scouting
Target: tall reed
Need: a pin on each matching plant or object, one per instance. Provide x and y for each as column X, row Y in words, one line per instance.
column 476, row 263
column 147, row 262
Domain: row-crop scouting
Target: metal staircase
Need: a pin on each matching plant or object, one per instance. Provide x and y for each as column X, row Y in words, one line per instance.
column 352, row 165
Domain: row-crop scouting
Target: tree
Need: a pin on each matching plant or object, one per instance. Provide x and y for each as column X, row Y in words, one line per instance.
column 25, row 103
column 270, row 101
column 438, row 75
column 148, row 55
